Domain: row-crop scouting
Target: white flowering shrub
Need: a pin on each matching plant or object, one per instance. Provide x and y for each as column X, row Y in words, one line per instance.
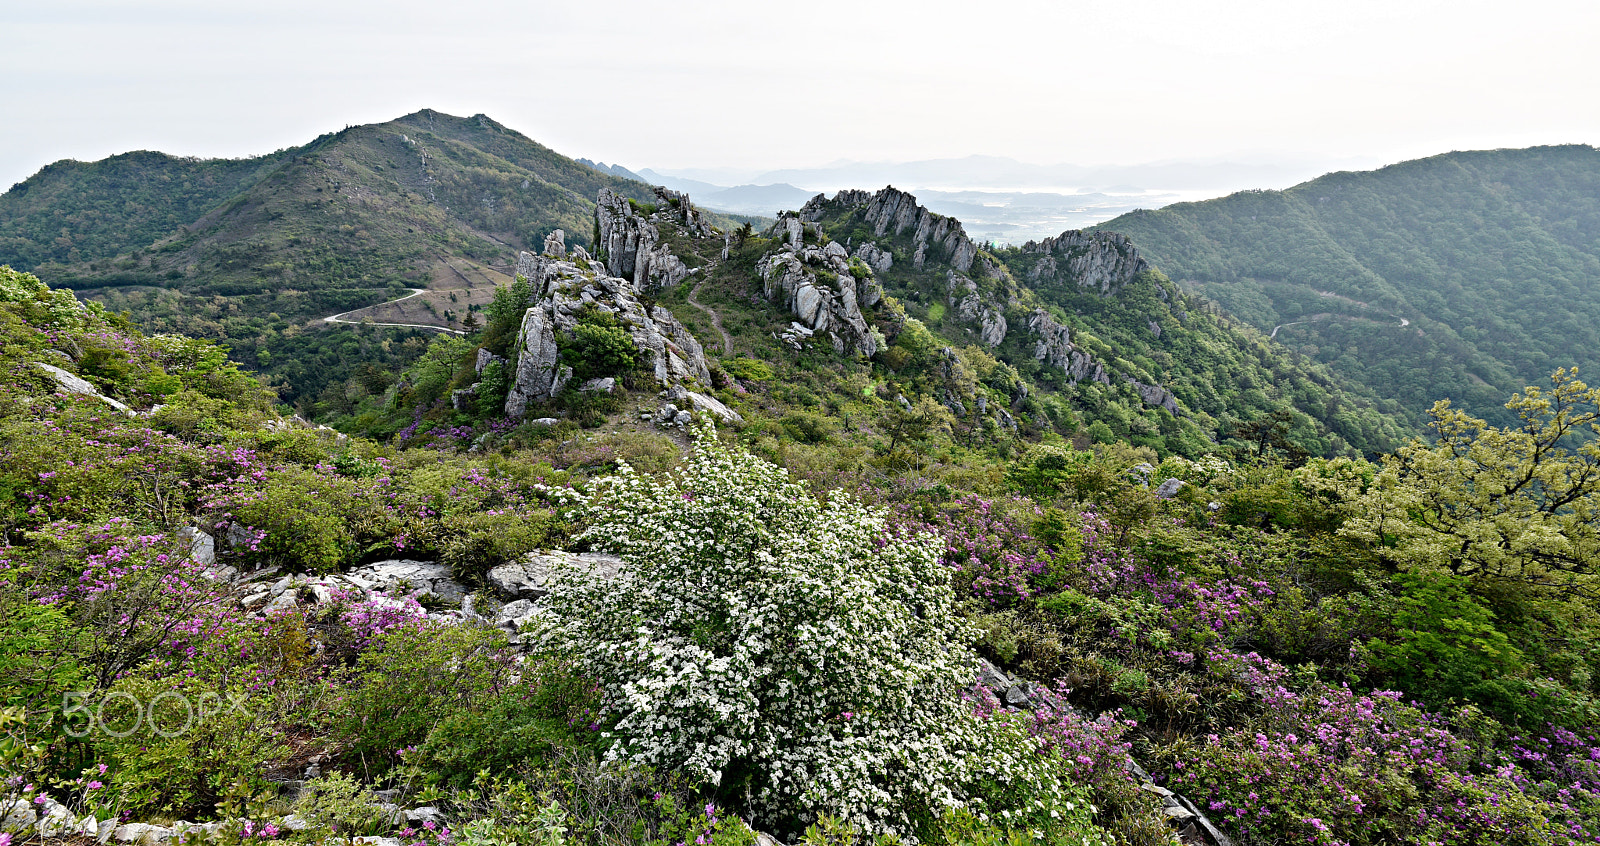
column 795, row 653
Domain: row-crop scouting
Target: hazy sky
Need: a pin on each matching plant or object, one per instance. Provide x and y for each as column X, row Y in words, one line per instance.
column 663, row 84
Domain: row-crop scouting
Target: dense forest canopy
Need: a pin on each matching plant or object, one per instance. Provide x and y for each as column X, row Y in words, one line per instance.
column 1462, row 276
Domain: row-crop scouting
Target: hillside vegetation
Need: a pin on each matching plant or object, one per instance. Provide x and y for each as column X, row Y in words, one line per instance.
column 254, row 252
column 1461, row 276
column 1336, row 652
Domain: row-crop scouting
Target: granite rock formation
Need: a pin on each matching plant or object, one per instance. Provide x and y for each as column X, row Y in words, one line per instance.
column 1103, row 261
column 631, row 242
column 821, row 288
column 563, row 290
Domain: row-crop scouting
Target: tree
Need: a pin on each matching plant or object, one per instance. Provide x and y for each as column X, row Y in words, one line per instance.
column 1519, row 503
column 797, row 654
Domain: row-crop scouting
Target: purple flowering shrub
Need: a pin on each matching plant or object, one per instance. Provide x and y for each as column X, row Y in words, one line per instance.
column 1329, row 766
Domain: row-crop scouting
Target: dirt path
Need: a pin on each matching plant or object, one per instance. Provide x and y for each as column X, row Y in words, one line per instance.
column 339, row 318
column 727, row 340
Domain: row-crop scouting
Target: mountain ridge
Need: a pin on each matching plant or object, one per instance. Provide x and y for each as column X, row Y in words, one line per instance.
column 1464, row 275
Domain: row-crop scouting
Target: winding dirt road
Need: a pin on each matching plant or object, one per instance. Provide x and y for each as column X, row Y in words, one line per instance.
column 339, row 318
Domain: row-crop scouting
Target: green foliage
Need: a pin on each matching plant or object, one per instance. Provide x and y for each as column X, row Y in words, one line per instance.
column 1479, row 252
column 197, row 745
column 596, row 350
column 1518, row 504
column 307, row 517
column 547, row 711
column 748, row 369
column 340, row 806
column 1047, row 471
column 415, row 677
column 475, row 543
column 1440, row 642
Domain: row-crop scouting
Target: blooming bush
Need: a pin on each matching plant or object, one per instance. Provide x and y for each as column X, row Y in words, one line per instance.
column 794, row 653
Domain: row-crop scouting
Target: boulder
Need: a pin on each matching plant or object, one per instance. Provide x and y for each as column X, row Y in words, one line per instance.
column 74, row 385
column 202, row 547
column 540, row 374
column 142, row 834
column 1169, row 488
column 485, row 358
column 403, row 576
column 875, row 257
column 690, row 401
column 18, row 815
column 555, row 244
column 530, row 577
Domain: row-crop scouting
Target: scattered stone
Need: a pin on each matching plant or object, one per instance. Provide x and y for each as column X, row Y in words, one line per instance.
column 422, row 578
column 142, row 834
column 603, row 385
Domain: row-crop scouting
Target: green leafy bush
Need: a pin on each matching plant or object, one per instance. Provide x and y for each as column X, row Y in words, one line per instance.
column 413, row 677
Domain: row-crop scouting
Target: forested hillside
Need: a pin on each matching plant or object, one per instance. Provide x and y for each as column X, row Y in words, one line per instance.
column 1461, row 276
column 254, row 252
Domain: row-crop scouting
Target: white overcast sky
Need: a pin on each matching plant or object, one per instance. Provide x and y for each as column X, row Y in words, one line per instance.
column 760, row 84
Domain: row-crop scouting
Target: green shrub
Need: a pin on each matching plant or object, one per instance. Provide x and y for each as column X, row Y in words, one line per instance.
column 189, row 748
column 413, row 677
column 340, row 806
column 306, row 516
column 748, row 369
column 479, row 542
column 594, row 351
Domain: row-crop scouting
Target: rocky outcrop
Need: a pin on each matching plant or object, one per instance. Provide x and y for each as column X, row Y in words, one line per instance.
column 1053, row 346
column 820, row 287
column 631, row 242
column 566, row 290
column 1155, row 395
column 970, row 306
column 539, row 375
column 892, row 212
column 74, row 385
column 1103, row 261
column 875, row 257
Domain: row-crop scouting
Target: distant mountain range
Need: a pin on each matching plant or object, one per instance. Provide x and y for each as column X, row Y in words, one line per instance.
column 1000, row 200
column 1463, row 276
